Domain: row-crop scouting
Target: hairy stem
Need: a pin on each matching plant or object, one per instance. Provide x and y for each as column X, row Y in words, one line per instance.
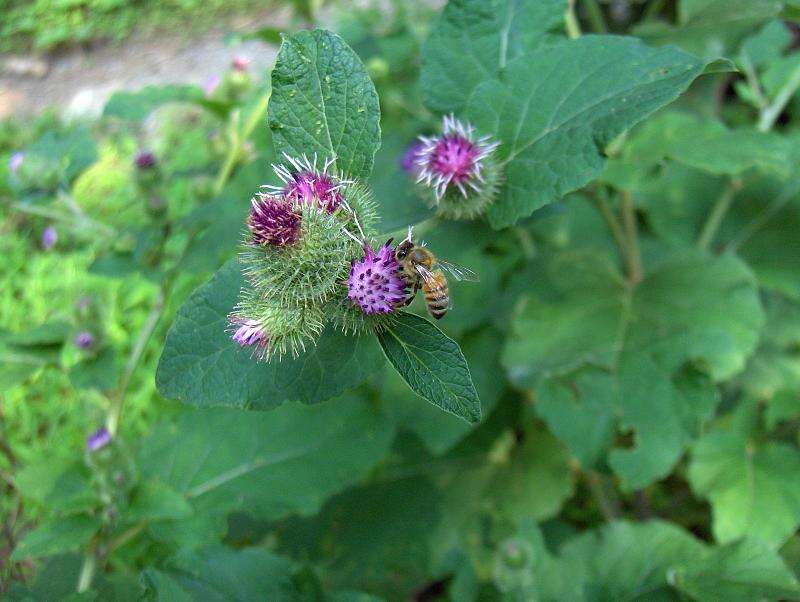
column 718, row 212
column 595, row 15
column 770, row 113
column 633, row 255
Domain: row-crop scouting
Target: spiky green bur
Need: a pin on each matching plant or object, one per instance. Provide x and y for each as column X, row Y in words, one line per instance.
column 455, row 205
column 285, row 331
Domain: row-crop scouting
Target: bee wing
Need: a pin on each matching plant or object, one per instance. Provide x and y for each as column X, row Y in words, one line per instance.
column 426, row 275
column 458, row 272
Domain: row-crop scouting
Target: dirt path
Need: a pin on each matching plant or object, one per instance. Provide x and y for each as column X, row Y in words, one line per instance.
column 79, row 82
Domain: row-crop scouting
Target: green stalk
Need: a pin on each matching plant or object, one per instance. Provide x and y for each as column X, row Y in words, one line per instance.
column 595, row 14
column 87, row 572
column 718, row 212
column 770, row 113
column 239, row 140
column 634, row 255
column 613, row 224
column 571, row 21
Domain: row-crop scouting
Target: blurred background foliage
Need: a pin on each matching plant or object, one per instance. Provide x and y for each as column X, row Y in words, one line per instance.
column 522, row 507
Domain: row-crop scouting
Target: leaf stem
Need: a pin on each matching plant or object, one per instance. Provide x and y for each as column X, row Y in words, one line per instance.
column 595, row 15
column 633, row 255
column 571, row 21
column 770, row 113
column 718, row 212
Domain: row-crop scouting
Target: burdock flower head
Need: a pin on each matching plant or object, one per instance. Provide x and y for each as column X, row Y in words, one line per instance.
column 374, row 283
column 145, row 159
column 457, row 169
column 273, row 220
column 304, row 184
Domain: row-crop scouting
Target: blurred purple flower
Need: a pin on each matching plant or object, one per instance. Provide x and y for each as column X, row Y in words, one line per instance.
column 15, row 162
column 211, row 83
column 49, row 237
column 409, row 159
column 84, row 339
column 98, row 440
column 240, row 63
column 145, row 159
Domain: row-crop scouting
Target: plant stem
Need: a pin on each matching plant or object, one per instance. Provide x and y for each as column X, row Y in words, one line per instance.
column 595, row 14
column 571, row 21
column 118, row 401
column 240, row 137
column 770, row 113
column 653, row 9
column 717, row 214
column 752, row 81
column 633, row 256
column 762, row 218
column 608, row 504
column 87, row 572
column 613, row 224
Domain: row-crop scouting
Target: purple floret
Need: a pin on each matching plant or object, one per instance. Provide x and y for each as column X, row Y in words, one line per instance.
column 375, row 284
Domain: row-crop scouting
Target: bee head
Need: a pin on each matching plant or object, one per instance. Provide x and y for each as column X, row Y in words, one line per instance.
column 403, row 249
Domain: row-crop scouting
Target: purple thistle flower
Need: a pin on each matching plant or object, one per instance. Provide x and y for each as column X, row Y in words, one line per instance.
column 15, row 162
column 49, row 237
column 240, row 63
column 98, row 440
column 84, row 339
column 250, row 333
column 273, row 221
column 409, row 159
column 145, row 159
column 375, row 284
column 304, row 184
column 455, row 158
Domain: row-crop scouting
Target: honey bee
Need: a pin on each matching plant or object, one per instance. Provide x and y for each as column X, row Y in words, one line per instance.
column 420, row 268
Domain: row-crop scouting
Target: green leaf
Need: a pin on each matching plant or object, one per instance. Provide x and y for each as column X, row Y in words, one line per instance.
column 56, row 536
column 474, row 40
column 767, row 45
column 271, row 464
column 708, row 145
column 744, row 571
column 202, row 366
column 154, row 501
column 220, row 573
column 435, row 428
column 323, row 102
column 751, row 484
column 372, row 537
column 710, row 28
column 689, row 309
column 432, row 364
column 556, row 109
column 135, row 106
column 657, row 560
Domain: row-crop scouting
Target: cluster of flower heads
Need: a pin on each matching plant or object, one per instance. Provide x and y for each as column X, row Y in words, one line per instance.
column 456, row 170
column 307, row 261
